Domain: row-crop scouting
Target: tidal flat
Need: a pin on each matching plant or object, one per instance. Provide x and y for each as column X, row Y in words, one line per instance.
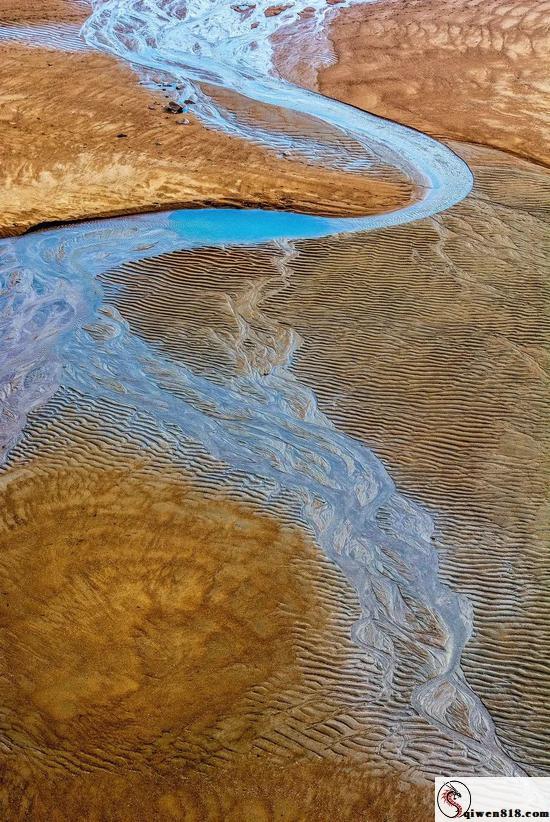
column 275, row 407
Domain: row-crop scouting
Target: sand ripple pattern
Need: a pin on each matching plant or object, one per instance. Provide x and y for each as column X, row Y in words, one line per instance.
column 162, row 38
column 58, row 36
column 258, row 418
column 265, row 423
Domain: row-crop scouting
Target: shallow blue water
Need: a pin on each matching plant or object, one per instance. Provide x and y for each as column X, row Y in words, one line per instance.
column 232, row 226
column 265, row 422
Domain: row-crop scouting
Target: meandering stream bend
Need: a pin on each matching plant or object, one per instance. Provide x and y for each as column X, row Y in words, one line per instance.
column 60, row 329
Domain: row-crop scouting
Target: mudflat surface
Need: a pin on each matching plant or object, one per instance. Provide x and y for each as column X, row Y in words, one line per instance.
column 182, row 643
column 428, row 343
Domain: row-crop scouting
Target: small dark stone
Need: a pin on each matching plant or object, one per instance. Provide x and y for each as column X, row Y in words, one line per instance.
column 189, row 102
column 122, row 135
column 174, row 108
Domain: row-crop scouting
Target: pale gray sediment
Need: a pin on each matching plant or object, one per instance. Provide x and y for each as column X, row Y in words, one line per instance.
column 261, row 420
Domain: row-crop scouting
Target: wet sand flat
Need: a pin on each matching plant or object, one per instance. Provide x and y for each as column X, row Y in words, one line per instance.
column 163, row 646
column 109, row 573
column 458, row 327
column 435, row 354
column 178, row 641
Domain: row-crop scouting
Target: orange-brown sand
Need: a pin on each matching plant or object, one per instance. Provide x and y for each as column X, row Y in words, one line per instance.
column 472, row 70
column 302, row 792
column 61, row 121
column 149, row 653
column 137, row 616
column 44, row 11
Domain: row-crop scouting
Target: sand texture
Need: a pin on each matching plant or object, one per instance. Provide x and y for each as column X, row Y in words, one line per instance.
column 264, row 491
column 65, row 159
column 469, row 70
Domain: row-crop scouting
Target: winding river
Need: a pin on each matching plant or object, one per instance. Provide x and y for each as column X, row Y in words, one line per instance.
column 58, row 328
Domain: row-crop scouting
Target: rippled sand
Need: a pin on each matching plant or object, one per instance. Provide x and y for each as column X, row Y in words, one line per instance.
column 438, row 363
column 175, row 643
column 470, row 70
column 67, row 160
column 454, row 390
column 164, row 647
column 435, row 354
